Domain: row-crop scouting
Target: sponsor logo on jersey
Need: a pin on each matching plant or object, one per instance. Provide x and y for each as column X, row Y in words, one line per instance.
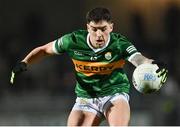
column 78, row 53
column 108, row 55
column 89, row 68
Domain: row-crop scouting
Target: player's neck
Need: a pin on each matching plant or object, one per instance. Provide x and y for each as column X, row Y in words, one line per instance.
column 93, row 47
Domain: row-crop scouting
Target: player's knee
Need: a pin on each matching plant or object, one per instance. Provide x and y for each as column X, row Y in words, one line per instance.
column 119, row 122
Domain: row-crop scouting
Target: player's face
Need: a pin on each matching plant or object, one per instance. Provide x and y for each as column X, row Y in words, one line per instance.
column 99, row 33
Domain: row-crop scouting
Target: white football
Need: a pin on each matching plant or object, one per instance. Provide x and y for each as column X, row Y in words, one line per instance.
column 145, row 78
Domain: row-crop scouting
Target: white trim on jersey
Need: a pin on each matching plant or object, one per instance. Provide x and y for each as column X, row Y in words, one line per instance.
column 131, row 57
column 131, row 49
column 54, row 47
column 99, row 49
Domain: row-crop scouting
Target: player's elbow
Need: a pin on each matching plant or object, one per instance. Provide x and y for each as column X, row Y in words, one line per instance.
column 46, row 49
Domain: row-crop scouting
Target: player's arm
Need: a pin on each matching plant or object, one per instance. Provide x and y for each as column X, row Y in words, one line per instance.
column 137, row 59
column 34, row 56
column 39, row 53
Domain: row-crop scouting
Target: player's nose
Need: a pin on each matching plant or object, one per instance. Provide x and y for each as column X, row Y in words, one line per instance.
column 99, row 33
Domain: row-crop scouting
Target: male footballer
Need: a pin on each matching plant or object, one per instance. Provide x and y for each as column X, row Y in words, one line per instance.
column 99, row 56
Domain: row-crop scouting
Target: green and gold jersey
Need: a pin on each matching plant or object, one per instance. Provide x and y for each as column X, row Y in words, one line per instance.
column 99, row 72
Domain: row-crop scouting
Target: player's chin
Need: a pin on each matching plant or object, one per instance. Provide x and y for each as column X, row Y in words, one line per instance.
column 100, row 44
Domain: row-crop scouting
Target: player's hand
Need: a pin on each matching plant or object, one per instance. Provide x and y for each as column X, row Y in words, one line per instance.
column 19, row 67
column 162, row 71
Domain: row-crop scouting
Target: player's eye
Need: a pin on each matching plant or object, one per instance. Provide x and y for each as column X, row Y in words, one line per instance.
column 94, row 29
column 103, row 29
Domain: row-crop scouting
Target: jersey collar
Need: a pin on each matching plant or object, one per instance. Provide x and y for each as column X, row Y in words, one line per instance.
column 98, row 49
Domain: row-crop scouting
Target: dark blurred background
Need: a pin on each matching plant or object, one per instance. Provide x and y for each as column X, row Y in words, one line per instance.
column 44, row 95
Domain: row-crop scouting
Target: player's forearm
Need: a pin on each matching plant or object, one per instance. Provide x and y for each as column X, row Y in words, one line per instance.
column 35, row 55
column 139, row 59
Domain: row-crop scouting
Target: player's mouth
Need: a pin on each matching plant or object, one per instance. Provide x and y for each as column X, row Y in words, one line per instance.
column 100, row 42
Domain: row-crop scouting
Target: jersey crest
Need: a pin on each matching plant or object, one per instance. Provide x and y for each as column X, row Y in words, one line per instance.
column 108, row 55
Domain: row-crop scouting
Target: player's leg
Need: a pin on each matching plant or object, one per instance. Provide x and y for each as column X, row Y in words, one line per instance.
column 83, row 118
column 118, row 113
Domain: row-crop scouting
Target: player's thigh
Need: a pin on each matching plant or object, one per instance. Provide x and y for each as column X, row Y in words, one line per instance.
column 83, row 118
column 118, row 113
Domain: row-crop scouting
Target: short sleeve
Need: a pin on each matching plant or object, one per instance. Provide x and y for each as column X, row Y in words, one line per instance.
column 127, row 48
column 61, row 44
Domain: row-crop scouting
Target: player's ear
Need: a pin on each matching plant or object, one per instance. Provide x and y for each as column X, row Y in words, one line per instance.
column 88, row 27
column 111, row 26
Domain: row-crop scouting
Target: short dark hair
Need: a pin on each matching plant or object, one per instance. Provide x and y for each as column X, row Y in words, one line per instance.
column 98, row 14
